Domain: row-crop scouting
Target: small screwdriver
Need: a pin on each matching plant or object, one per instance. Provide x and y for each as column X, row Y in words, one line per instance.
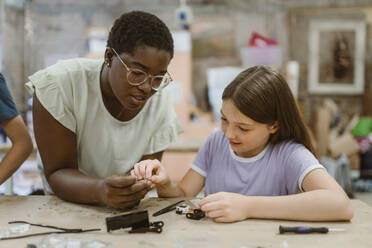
column 167, row 209
column 305, row 229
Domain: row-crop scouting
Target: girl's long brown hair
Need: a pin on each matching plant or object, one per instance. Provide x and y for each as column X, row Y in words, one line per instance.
column 263, row 95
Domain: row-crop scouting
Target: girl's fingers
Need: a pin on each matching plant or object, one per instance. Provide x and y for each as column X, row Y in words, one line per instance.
column 149, row 169
column 146, row 168
column 155, row 168
column 221, row 219
column 210, row 206
column 142, row 169
column 208, row 199
column 137, row 172
column 156, row 179
column 215, row 214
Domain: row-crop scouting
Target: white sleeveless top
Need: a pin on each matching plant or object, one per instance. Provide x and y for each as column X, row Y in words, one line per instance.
column 70, row 92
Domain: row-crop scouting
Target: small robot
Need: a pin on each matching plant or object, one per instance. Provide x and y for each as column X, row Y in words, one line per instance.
column 182, row 209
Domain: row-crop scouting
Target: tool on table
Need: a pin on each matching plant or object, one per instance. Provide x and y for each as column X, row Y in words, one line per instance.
column 305, row 229
column 167, row 209
column 139, row 222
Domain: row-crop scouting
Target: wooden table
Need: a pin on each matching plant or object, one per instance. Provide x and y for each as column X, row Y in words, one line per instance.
column 178, row 231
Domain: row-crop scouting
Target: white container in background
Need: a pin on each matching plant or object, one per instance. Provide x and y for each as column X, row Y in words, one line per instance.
column 267, row 55
column 293, row 72
column 218, row 78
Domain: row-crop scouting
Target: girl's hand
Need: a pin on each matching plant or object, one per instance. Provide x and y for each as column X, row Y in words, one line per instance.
column 152, row 170
column 225, row 207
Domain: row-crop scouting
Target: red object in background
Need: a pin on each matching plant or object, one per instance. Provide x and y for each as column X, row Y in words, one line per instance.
column 261, row 50
column 258, row 40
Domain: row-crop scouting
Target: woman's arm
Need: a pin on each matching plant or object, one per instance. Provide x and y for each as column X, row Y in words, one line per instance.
column 58, row 150
column 323, row 200
column 21, row 148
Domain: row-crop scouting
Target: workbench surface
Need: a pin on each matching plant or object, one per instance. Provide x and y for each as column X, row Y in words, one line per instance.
column 178, row 231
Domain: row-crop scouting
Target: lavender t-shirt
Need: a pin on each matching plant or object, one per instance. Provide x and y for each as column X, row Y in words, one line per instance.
column 277, row 170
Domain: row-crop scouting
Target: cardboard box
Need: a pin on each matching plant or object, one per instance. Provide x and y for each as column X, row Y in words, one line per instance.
column 354, row 159
column 344, row 144
column 367, row 103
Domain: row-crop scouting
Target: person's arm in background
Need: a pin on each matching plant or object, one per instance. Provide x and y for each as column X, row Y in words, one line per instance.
column 57, row 147
column 14, row 127
column 21, row 147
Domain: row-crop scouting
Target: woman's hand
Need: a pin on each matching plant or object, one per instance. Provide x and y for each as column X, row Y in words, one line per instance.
column 121, row 191
column 225, row 207
column 152, row 170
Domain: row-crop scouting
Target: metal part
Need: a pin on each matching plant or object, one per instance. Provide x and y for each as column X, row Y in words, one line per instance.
column 196, row 215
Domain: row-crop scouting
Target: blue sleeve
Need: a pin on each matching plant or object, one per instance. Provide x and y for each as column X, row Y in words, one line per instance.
column 8, row 109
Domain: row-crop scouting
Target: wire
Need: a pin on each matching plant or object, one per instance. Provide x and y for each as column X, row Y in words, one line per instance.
column 46, row 233
column 63, row 230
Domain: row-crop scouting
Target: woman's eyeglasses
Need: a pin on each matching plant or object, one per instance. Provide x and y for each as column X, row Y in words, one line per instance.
column 137, row 77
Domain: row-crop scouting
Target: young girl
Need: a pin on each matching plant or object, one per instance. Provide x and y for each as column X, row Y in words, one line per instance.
column 260, row 163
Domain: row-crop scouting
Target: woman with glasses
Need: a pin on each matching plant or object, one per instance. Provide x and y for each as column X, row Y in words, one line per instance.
column 94, row 119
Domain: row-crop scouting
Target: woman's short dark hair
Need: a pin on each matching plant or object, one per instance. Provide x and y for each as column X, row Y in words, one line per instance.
column 263, row 95
column 138, row 28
